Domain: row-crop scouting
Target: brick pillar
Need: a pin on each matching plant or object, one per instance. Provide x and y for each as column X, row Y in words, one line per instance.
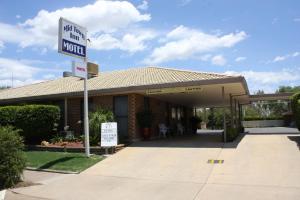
column 132, row 116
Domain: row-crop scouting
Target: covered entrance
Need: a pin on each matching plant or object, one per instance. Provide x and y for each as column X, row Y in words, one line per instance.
column 182, row 101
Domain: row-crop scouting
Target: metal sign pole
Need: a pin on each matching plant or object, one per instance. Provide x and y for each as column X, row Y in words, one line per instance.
column 86, row 117
column 76, row 47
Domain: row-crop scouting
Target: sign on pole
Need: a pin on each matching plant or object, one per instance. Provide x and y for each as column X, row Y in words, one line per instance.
column 109, row 134
column 79, row 69
column 72, row 39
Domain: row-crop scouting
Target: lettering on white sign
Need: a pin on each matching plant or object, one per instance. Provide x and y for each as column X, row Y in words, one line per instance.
column 79, row 69
column 71, row 39
column 109, row 134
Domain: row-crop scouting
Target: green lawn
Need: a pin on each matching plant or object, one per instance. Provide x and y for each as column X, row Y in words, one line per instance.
column 74, row 162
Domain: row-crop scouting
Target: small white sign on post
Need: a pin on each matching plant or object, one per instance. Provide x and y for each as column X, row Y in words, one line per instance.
column 79, row 69
column 109, row 134
column 72, row 39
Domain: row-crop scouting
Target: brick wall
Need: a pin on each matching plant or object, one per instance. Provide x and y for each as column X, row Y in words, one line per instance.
column 103, row 101
column 74, row 111
column 135, row 105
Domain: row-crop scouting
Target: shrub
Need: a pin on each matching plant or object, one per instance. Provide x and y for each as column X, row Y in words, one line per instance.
column 36, row 122
column 231, row 134
column 296, row 108
column 95, row 119
column 12, row 161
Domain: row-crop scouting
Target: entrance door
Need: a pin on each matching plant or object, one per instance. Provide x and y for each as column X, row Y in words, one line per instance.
column 121, row 115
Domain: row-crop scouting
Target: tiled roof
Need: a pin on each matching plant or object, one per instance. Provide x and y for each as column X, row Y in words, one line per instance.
column 148, row 76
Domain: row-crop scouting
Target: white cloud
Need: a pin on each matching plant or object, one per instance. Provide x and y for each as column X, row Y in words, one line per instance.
column 9, row 67
column 1, row 46
column 296, row 19
column 282, row 58
column 269, row 81
column 18, row 16
column 295, row 54
column 13, row 34
column 205, row 57
column 131, row 42
column 183, row 43
column 184, row 2
column 275, row 20
column 218, row 60
column 44, row 51
column 21, row 73
column 240, row 59
column 101, row 17
column 143, row 5
column 49, row 76
column 279, row 58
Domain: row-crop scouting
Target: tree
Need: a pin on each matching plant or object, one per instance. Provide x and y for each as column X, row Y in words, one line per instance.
column 283, row 89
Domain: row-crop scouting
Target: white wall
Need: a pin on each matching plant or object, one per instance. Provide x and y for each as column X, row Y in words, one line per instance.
column 262, row 123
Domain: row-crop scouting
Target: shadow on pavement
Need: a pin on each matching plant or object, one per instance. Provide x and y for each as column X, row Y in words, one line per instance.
column 295, row 139
column 54, row 162
column 201, row 140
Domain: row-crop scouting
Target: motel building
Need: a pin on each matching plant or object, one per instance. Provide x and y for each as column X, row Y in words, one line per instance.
column 171, row 94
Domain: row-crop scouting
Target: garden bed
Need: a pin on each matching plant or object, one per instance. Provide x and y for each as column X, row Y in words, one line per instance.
column 72, row 148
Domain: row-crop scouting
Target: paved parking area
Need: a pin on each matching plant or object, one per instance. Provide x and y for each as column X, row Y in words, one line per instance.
column 258, row 166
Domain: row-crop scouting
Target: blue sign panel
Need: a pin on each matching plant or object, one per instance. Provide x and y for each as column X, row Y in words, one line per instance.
column 73, row 48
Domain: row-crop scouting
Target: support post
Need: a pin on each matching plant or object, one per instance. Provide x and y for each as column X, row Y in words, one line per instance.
column 224, row 115
column 66, row 112
column 239, row 116
column 86, row 118
column 213, row 116
column 231, row 111
column 235, row 114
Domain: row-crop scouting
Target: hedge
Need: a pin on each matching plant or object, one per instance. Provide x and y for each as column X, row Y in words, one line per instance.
column 36, row 122
column 262, row 118
column 296, row 108
column 12, row 161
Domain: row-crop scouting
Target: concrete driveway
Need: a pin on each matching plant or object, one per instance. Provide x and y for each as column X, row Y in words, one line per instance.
column 258, row 166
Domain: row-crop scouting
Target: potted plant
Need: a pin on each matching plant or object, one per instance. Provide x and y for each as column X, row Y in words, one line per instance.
column 145, row 119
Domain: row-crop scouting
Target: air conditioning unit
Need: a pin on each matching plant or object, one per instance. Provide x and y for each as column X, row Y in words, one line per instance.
column 92, row 69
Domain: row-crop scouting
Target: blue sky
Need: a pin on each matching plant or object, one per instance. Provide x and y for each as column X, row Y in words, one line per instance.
column 257, row 39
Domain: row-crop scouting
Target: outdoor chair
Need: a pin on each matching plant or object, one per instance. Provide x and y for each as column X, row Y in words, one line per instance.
column 163, row 129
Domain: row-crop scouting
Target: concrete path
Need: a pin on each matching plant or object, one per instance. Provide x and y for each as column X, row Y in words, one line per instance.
column 259, row 166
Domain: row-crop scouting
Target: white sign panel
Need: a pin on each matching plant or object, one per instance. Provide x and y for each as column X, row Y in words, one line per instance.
column 109, row 134
column 72, row 39
column 79, row 69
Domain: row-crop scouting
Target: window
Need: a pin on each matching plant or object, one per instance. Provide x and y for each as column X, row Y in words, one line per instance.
column 146, row 103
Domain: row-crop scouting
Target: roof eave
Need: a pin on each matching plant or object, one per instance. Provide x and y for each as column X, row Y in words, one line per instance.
column 130, row 89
